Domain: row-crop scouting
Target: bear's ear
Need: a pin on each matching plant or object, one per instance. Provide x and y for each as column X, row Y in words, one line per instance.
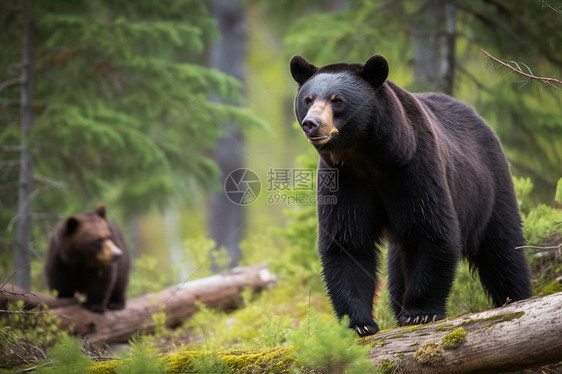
column 375, row 70
column 301, row 70
column 100, row 210
column 70, row 225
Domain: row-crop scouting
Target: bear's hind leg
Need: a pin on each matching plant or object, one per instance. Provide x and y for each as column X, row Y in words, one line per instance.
column 502, row 268
column 429, row 268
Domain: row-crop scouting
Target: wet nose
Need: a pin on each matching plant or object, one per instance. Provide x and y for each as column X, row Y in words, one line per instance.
column 310, row 125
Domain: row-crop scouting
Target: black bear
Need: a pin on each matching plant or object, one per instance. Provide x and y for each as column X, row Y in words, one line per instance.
column 425, row 173
column 87, row 253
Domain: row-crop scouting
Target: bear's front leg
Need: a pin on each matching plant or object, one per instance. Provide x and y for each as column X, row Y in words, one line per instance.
column 97, row 289
column 350, row 278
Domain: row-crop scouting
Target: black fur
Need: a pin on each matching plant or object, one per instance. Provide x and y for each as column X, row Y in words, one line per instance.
column 422, row 171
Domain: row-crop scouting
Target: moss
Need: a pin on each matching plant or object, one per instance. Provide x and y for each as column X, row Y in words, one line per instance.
column 445, row 327
column 386, row 366
column 378, row 343
column 429, row 355
column 414, row 344
column 274, row 360
column 454, row 339
column 104, row 367
column 495, row 319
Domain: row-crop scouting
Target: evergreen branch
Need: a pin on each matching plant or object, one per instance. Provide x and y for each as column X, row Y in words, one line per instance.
column 10, row 83
column 514, row 66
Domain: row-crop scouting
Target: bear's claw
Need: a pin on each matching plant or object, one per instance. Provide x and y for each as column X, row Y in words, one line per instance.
column 419, row 319
column 366, row 330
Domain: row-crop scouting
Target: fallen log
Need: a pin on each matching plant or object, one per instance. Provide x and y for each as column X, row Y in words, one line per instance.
column 521, row 335
column 10, row 293
column 177, row 302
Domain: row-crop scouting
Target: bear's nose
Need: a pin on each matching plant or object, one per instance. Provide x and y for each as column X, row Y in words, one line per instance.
column 310, row 125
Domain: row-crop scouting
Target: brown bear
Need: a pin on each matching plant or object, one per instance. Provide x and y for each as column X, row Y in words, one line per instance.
column 87, row 254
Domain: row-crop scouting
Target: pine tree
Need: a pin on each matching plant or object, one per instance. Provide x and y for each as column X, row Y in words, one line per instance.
column 121, row 104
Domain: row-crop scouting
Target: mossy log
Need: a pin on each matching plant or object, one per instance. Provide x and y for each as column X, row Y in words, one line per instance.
column 177, row 302
column 517, row 336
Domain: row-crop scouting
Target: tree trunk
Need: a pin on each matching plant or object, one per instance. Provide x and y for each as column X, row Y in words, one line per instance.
column 521, row 335
column 226, row 219
column 434, row 40
column 22, row 263
column 177, row 302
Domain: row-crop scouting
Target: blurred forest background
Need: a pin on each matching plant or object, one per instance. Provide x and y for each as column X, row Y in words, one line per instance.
column 146, row 106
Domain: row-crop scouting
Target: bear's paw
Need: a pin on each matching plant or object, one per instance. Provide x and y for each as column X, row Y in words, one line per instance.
column 96, row 308
column 366, row 330
column 419, row 319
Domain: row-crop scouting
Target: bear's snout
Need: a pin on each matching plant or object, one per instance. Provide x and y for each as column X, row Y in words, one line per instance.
column 109, row 253
column 318, row 124
column 310, row 125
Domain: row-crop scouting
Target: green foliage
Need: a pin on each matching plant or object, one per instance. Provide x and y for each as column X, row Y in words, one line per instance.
column 147, row 276
column 549, row 288
column 329, row 345
column 66, row 357
column 542, row 224
column 38, row 325
column 467, row 294
column 543, row 231
column 142, row 357
column 275, row 329
column 197, row 256
column 300, row 261
column 382, row 309
column 159, row 320
column 523, row 187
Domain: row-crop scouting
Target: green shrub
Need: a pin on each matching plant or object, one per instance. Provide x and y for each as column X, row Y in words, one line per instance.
column 142, row 357
column 329, row 345
column 66, row 357
column 467, row 294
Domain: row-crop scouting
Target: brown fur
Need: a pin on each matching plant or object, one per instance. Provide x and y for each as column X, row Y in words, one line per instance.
column 87, row 253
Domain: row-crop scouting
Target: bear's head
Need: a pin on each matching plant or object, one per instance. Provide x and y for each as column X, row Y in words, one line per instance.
column 86, row 240
column 332, row 98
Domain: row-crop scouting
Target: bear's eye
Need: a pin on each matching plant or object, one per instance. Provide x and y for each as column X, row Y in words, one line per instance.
column 336, row 101
column 307, row 100
column 99, row 242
